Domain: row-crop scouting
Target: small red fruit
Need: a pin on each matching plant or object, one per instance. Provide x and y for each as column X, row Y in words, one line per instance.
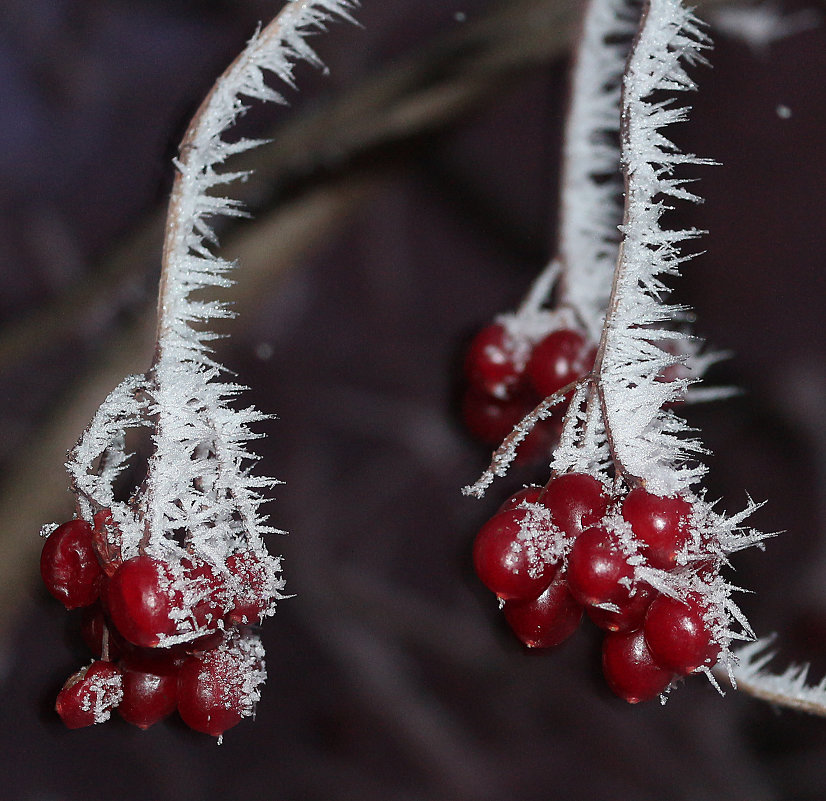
column 546, row 621
column 577, row 501
column 629, row 668
column 206, row 585
column 678, row 636
column 490, row 364
column 490, row 419
column 631, row 612
column 69, row 567
column 252, row 586
column 525, row 495
column 660, row 523
column 90, row 695
column 150, row 690
column 560, row 358
column 93, row 627
column 598, row 570
column 510, row 562
column 219, row 687
column 140, row 599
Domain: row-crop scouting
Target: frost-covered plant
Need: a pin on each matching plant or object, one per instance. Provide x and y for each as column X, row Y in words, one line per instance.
column 163, row 474
column 630, row 531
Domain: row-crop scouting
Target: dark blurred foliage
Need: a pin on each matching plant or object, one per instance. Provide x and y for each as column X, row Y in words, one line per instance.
column 391, row 676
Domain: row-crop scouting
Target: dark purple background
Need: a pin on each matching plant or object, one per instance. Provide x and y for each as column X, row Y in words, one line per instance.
column 391, row 676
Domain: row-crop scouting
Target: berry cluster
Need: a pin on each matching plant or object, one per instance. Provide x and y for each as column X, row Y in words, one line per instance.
column 167, row 633
column 639, row 564
column 508, row 374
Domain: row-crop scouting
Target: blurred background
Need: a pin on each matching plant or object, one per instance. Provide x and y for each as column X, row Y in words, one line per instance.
column 408, row 196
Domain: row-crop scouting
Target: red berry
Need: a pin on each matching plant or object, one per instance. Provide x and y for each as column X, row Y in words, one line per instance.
column 90, row 695
column 490, row 364
column 562, row 357
column 577, row 501
column 525, row 495
column 93, row 625
column 218, row 688
column 150, row 690
column 631, row 612
column 596, row 566
column 678, row 636
column 660, row 523
column 489, row 419
column 511, row 563
column 69, row 567
column 629, row 668
column 254, row 595
column 205, row 586
column 140, row 598
column 546, row 621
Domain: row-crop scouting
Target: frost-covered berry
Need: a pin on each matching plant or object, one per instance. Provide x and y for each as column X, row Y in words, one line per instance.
column 205, row 588
column 90, row 695
column 510, row 554
column 678, row 636
column 218, row 688
column 150, row 689
column 577, row 501
column 253, row 587
column 630, row 613
column 560, row 358
column 660, row 523
column 598, row 570
column 491, row 365
column 525, row 495
column 630, row 669
column 69, row 566
column 547, row 620
column 140, row 598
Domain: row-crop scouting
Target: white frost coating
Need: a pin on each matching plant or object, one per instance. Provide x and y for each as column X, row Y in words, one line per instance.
column 650, row 442
column 199, row 497
column 788, row 689
column 590, row 207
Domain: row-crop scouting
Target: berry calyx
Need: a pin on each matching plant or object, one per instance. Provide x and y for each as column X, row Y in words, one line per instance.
column 491, row 364
column 560, row 358
column 630, row 669
column 90, row 695
column 547, row 620
column 660, row 523
column 678, row 636
column 510, row 554
column 577, row 501
column 598, row 570
column 69, row 566
column 150, row 690
column 140, row 598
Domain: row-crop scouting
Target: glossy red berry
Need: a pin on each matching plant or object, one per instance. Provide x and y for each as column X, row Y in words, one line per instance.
column 631, row 612
column 490, row 419
column 630, row 669
column 69, row 566
column 577, row 501
column 90, row 695
column 560, row 358
column 525, row 495
column 150, row 690
column 510, row 562
column 548, row 620
column 660, row 523
column 598, row 570
column 252, row 587
column 491, row 365
column 141, row 597
column 214, row 691
column 678, row 636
